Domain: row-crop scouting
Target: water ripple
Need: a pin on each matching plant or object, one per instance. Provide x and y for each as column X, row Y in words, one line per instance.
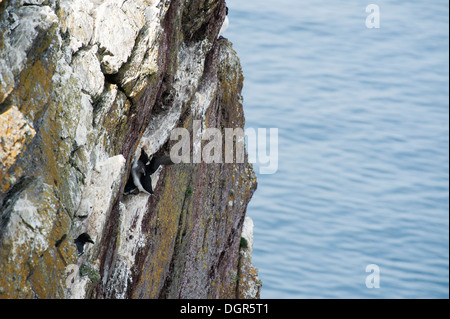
column 363, row 145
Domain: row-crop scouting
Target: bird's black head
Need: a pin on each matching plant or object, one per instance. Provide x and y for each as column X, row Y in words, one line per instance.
column 144, row 157
column 227, row 11
column 84, row 238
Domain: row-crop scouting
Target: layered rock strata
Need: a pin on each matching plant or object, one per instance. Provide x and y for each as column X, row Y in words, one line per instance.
column 84, row 85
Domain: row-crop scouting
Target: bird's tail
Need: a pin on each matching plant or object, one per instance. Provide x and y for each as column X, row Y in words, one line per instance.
column 164, row 160
column 158, row 161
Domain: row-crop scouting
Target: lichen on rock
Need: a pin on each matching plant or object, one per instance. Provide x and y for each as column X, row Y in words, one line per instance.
column 15, row 133
column 84, row 85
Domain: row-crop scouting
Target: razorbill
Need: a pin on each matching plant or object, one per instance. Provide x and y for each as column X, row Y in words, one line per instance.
column 225, row 24
column 81, row 240
column 141, row 172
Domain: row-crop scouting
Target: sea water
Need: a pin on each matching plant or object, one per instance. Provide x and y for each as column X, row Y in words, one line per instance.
column 363, row 122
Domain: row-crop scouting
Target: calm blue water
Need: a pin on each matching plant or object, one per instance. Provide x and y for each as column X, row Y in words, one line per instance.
column 363, row 118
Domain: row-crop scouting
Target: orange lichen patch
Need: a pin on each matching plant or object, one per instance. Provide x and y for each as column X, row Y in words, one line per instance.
column 15, row 133
column 40, row 249
column 34, row 90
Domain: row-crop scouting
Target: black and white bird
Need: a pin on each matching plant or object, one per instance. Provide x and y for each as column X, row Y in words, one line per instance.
column 141, row 171
column 81, row 241
column 225, row 25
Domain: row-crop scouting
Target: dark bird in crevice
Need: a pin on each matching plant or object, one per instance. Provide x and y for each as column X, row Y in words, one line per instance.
column 81, row 241
column 140, row 178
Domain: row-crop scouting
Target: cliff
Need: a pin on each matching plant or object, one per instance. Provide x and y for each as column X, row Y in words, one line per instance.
column 84, row 85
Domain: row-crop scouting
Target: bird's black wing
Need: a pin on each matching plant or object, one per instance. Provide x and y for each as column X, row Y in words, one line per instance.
column 146, row 182
column 129, row 186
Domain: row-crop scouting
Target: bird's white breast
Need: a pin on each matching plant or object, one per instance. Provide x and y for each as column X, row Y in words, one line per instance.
column 224, row 27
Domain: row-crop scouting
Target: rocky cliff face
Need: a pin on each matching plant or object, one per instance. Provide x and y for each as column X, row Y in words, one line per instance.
column 84, row 85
